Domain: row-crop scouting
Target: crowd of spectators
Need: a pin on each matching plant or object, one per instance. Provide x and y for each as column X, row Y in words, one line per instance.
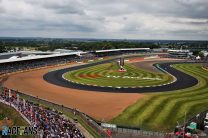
column 15, row 66
column 36, row 63
column 49, row 123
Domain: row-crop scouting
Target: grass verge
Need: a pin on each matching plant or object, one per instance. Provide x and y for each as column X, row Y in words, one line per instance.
column 162, row 111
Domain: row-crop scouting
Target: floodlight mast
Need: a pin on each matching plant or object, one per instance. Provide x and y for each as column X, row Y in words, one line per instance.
column 121, row 64
column 121, row 61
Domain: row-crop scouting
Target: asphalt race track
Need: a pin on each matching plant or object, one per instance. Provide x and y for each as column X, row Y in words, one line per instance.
column 183, row 80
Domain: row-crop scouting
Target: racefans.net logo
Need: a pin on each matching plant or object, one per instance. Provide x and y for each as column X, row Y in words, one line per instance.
column 18, row 130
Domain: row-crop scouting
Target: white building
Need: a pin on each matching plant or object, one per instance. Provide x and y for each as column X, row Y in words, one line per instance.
column 179, row 53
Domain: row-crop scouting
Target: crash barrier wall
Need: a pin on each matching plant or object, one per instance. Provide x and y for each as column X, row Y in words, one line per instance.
column 140, row 133
column 87, row 119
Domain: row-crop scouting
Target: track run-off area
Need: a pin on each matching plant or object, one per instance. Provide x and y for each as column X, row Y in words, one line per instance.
column 181, row 80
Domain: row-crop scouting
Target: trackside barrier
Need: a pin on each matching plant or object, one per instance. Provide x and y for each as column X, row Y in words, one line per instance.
column 87, row 119
column 123, row 132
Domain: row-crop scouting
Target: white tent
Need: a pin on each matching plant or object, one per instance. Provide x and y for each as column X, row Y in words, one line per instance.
column 198, row 58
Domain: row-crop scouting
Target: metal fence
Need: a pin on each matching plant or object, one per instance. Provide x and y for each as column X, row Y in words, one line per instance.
column 122, row 132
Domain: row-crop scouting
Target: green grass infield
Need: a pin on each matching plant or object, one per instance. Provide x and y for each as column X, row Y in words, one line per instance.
column 109, row 75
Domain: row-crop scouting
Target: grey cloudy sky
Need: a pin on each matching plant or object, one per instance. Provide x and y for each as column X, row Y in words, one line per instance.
column 129, row 19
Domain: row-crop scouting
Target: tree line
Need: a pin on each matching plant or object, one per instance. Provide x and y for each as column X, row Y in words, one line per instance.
column 50, row 45
column 47, row 44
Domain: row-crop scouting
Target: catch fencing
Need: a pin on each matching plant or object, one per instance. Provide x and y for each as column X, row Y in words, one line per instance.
column 122, row 132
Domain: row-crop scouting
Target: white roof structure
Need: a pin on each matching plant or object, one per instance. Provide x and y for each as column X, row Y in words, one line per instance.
column 36, row 52
column 179, row 50
column 123, row 49
column 38, row 57
column 63, row 50
column 26, row 52
column 14, row 57
column 9, row 53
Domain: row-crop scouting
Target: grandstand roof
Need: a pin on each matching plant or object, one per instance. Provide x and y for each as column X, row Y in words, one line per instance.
column 38, row 57
column 26, row 52
column 123, row 49
column 178, row 50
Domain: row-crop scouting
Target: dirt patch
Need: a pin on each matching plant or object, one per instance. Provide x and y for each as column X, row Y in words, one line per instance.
column 99, row 105
column 136, row 59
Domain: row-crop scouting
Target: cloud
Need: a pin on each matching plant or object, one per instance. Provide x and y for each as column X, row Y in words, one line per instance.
column 65, row 7
column 191, row 22
column 136, row 19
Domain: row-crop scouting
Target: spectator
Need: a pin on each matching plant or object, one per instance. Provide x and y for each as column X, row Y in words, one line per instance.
column 49, row 123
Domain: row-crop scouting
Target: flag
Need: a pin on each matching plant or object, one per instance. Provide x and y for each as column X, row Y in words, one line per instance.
column 15, row 94
column 24, row 103
column 31, row 112
column 10, row 94
column 5, row 91
column 36, row 119
column 17, row 98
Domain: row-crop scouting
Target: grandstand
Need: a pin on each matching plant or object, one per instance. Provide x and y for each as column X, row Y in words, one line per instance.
column 49, row 123
column 23, row 54
column 35, row 61
column 23, row 60
column 179, row 53
column 110, row 52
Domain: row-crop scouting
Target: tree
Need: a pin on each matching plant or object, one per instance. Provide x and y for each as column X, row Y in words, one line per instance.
column 2, row 49
column 196, row 53
column 201, row 54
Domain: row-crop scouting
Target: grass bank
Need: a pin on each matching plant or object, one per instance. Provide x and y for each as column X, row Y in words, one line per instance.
column 161, row 111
